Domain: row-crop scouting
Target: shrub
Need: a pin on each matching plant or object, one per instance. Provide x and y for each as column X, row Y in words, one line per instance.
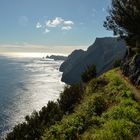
column 117, row 87
column 32, row 128
column 96, row 85
column 51, row 113
column 116, row 130
column 129, row 113
column 69, row 97
column 69, row 129
column 99, row 104
column 95, row 105
column 120, row 122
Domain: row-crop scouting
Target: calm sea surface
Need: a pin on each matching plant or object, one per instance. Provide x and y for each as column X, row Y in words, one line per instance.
column 26, row 84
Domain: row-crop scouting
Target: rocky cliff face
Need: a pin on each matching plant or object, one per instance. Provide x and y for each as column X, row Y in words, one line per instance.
column 131, row 68
column 57, row 57
column 102, row 53
column 75, row 55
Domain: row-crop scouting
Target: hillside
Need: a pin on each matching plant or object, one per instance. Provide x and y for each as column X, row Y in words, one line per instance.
column 102, row 53
column 106, row 108
column 107, row 111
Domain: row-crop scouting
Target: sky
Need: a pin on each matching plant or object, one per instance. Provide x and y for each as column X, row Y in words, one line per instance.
column 51, row 25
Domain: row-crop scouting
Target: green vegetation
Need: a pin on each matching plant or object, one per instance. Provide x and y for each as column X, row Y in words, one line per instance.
column 124, row 20
column 105, row 109
column 34, row 125
column 69, row 97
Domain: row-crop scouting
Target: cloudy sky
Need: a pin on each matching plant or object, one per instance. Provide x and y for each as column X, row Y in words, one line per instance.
column 41, row 25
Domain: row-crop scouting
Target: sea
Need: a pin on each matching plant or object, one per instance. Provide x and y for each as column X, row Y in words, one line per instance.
column 27, row 83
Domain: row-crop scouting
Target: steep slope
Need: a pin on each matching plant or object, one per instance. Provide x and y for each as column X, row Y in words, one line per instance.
column 136, row 90
column 107, row 111
column 102, row 53
column 106, row 108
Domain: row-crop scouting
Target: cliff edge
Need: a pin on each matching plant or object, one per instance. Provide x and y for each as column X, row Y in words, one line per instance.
column 103, row 52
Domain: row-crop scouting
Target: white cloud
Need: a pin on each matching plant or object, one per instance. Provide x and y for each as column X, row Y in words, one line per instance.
column 49, row 24
column 68, row 23
column 54, row 23
column 47, row 30
column 57, row 22
column 66, row 28
column 38, row 25
column 60, row 22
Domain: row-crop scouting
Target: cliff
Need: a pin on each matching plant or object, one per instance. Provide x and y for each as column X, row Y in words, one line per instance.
column 102, row 53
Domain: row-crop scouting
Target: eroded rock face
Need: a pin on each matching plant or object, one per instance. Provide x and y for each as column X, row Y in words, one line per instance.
column 57, row 57
column 131, row 68
column 102, row 53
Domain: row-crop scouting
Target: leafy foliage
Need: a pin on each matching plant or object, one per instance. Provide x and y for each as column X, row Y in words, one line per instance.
column 69, row 97
column 120, row 122
column 68, row 129
column 124, row 18
column 34, row 125
column 116, row 130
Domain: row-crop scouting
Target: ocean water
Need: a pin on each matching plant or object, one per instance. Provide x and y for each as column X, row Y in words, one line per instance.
column 26, row 84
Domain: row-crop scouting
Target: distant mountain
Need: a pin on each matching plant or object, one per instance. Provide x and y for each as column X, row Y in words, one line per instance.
column 102, row 53
column 57, row 57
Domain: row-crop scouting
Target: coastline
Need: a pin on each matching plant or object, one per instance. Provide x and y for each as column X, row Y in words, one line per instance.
column 41, row 88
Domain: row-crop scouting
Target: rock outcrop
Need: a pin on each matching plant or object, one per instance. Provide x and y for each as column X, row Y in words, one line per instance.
column 102, row 53
column 131, row 68
column 57, row 57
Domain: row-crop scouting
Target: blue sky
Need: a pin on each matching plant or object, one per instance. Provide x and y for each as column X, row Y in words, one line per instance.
column 52, row 22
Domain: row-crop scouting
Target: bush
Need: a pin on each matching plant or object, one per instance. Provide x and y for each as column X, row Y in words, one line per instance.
column 96, row 84
column 99, row 104
column 117, row 87
column 129, row 113
column 69, row 129
column 50, row 114
column 32, row 128
column 89, row 74
column 121, row 122
column 69, row 97
column 116, row 130
column 35, row 124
